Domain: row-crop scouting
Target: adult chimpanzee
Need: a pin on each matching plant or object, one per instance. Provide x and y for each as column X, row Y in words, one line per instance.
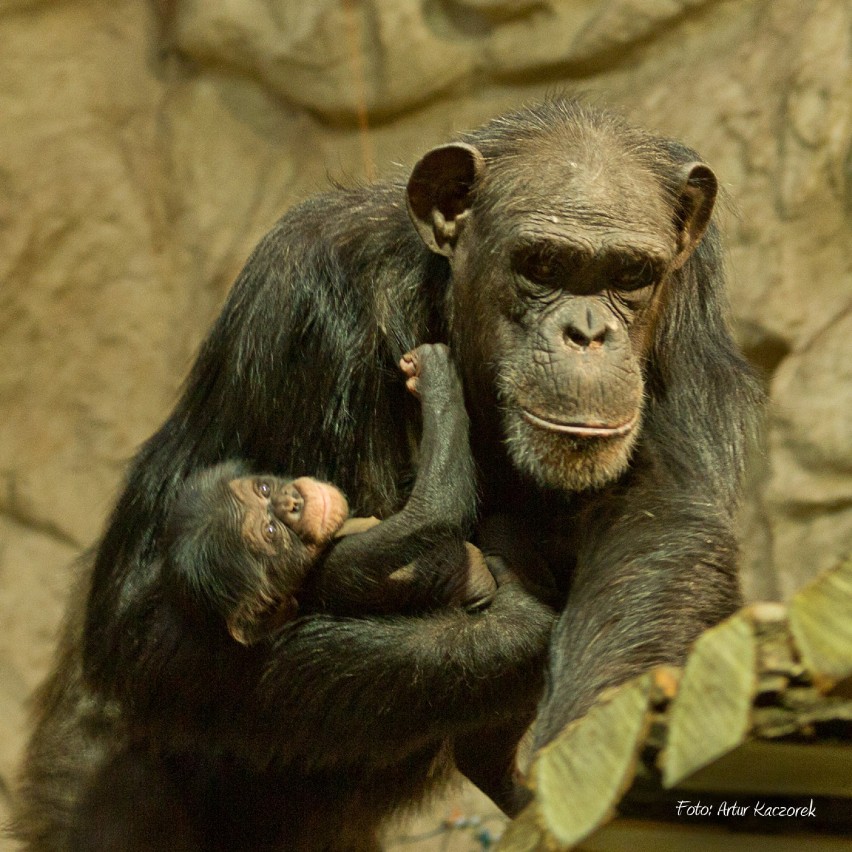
column 570, row 261
column 248, row 552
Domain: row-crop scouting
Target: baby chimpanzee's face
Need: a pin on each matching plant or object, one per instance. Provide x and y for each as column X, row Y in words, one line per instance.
column 239, row 547
column 279, row 514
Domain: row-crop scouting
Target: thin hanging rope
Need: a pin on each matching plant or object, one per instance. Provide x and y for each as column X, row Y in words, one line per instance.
column 356, row 63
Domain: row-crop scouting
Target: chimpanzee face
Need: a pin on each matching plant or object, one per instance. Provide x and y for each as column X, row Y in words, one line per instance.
column 242, row 545
column 283, row 518
column 559, row 267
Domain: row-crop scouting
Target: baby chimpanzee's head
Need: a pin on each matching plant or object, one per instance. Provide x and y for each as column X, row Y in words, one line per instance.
column 238, row 546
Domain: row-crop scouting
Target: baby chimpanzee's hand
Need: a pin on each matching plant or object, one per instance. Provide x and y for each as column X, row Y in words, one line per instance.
column 476, row 584
column 431, row 373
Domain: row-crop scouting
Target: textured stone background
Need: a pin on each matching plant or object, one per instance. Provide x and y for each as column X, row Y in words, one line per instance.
column 145, row 146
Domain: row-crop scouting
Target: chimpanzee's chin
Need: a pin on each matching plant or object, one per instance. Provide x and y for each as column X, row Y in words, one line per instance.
column 567, row 462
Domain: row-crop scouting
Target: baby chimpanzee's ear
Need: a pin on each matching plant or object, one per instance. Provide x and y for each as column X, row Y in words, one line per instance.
column 248, row 625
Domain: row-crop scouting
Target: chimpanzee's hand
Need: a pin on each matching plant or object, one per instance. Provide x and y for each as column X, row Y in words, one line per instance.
column 453, row 580
column 431, row 374
column 512, row 557
column 474, row 585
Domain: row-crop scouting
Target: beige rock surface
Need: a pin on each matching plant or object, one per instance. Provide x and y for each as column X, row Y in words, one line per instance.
column 144, row 148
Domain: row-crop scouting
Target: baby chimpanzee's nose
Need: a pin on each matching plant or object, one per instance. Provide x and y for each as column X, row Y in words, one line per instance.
column 287, row 503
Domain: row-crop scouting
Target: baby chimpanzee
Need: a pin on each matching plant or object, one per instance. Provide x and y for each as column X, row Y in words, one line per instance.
column 251, row 551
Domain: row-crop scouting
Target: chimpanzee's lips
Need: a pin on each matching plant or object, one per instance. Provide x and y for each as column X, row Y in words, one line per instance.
column 324, row 510
column 582, row 430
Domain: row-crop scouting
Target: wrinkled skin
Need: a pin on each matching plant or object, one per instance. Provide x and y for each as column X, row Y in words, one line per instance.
column 563, row 299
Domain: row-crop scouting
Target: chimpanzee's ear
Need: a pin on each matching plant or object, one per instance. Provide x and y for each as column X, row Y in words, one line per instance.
column 439, row 193
column 248, row 626
column 694, row 208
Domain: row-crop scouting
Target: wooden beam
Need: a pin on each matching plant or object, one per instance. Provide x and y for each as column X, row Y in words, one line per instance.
column 821, row 623
column 711, row 713
column 579, row 778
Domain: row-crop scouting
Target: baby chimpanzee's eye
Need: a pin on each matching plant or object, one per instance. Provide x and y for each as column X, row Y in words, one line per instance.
column 270, row 531
column 264, row 488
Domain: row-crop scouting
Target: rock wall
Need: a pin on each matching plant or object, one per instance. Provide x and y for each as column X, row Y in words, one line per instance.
column 145, row 147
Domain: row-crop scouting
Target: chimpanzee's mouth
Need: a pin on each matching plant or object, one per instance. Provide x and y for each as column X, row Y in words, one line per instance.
column 583, row 430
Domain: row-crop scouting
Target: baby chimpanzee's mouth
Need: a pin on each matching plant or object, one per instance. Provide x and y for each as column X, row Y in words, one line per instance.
column 324, row 509
column 582, row 429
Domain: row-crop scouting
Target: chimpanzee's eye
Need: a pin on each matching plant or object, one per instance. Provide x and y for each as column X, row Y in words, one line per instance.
column 264, row 488
column 539, row 267
column 270, row 531
column 634, row 276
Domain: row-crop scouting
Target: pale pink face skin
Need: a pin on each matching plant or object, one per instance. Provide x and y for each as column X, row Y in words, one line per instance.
column 313, row 510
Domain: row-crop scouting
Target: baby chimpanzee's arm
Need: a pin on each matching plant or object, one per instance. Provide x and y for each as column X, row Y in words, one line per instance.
column 418, row 557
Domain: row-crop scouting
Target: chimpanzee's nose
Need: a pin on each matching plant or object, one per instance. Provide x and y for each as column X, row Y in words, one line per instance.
column 585, row 328
column 288, row 503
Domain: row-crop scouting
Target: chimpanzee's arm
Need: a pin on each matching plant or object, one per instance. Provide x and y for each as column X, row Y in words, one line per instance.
column 488, row 756
column 329, row 692
column 633, row 603
column 426, row 538
column 395, row 684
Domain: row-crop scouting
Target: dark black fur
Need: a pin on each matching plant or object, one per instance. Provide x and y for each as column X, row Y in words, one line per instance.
column 299, row 374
